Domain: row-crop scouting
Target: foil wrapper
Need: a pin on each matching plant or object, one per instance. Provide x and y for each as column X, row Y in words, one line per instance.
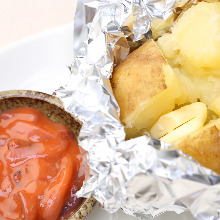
column 142, row 176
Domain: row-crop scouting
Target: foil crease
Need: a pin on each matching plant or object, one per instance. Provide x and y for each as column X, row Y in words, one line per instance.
column 142, row 176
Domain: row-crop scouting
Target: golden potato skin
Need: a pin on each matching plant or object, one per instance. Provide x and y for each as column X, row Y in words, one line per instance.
column 133, row 81
column 204, row 147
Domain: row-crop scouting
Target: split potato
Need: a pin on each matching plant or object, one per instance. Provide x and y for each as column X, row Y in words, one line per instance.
column 171, row 88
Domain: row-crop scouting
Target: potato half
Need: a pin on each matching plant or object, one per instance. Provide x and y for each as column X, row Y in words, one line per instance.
column 145, row 88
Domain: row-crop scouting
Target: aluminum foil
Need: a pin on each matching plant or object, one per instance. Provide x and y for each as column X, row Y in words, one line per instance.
column 141, row 176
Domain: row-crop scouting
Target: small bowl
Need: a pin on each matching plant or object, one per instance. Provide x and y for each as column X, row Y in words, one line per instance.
column 51, row 107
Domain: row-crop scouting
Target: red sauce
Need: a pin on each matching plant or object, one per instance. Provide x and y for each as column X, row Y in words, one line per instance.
column 40, row 167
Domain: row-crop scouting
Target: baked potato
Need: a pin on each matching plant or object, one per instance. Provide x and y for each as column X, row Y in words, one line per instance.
column 171, row 88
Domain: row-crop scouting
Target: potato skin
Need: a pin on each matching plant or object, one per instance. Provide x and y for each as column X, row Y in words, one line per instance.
column 138, row 78
column 204, row 147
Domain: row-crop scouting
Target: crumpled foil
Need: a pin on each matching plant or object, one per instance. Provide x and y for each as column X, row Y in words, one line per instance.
column 141, row 176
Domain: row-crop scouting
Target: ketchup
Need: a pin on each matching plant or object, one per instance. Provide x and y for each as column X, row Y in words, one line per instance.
column 40, row 167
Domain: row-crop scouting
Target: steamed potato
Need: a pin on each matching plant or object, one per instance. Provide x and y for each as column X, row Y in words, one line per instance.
column 145, row 88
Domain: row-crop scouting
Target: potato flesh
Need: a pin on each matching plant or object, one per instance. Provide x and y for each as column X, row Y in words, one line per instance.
column 198, row 40
column 204, row 88
column 193, row 50
column 179, row 123
column 215, row 105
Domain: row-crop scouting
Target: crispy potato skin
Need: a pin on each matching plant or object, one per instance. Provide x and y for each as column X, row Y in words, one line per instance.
column 204, row 147
column 133, row 81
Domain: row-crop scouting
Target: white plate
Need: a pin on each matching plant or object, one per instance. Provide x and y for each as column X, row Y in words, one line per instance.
column 40, row 62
